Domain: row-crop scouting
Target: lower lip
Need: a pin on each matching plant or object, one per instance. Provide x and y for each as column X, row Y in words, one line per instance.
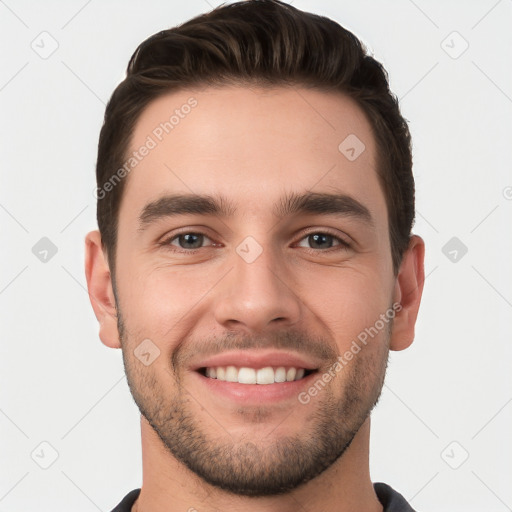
column 256, row 393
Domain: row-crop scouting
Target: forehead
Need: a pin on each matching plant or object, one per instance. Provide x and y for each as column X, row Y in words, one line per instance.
column 252, row 145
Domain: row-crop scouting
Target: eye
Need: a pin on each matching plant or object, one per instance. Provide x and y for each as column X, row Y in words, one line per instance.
column 189, row 241
column 324, row 240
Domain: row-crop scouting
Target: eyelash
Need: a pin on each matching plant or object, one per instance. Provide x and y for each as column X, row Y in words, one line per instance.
column 343, row 245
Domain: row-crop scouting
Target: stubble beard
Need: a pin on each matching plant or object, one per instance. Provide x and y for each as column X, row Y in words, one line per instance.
column 276, row 465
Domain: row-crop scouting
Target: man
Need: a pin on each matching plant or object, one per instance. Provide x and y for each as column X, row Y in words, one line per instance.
column 254, row 260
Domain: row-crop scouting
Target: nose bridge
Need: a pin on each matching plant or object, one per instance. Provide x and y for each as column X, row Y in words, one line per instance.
column 255, row 293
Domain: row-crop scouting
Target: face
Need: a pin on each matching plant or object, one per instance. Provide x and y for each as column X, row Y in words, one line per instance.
column 287, row 271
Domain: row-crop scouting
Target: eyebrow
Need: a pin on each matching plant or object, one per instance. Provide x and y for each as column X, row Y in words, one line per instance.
column 340, row 205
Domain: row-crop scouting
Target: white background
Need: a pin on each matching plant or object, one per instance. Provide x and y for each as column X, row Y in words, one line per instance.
column 60, row 385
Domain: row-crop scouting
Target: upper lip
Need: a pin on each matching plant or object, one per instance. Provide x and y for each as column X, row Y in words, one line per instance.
column 257, row 359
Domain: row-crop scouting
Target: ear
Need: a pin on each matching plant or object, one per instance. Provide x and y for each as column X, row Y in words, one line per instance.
column 408, row 291
column 101, row 293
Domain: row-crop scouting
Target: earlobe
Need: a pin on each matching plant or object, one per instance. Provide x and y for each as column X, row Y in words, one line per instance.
column 101, row 294
column 408, row 291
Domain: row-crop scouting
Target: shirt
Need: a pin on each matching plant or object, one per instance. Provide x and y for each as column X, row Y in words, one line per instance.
column 391, row 500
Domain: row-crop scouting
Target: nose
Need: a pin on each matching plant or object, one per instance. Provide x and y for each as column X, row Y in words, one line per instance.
column 257, row 295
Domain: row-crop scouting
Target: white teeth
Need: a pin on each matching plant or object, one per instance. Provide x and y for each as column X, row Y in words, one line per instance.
column 280, row 374
column 265, row 375
column 245, row 375
column 211, row 372
column 231, row 374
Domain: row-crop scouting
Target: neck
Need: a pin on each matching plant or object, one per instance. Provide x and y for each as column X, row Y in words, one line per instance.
column 171, row 487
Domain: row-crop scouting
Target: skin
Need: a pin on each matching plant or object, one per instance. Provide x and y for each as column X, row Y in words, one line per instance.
column 253, row 145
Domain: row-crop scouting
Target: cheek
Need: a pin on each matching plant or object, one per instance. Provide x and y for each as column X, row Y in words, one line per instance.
column 347, row 301
column 162, row 299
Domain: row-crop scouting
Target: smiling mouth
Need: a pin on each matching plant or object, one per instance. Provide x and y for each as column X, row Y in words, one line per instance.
column 247, row 375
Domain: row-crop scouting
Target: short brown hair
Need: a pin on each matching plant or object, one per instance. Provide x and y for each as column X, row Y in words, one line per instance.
column 265, row 43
